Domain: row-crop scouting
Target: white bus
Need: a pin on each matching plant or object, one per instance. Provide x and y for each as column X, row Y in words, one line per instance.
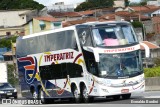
column 81, row 62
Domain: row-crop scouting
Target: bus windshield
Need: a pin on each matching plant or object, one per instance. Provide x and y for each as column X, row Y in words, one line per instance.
column 120, row 65
column 114, row 35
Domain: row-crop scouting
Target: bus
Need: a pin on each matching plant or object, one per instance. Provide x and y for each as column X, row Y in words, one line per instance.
column 81, row 62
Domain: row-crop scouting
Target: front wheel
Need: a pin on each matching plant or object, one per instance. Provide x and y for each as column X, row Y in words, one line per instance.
column 126, row 96
column 85, row 97
column 76, row 95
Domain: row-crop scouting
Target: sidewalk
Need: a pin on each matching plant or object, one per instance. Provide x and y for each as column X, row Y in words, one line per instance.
column 152, row 88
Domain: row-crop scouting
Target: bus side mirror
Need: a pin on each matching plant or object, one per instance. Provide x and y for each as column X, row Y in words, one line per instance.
column 147, row 50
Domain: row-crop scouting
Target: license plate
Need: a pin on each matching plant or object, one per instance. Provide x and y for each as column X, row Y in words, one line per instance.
column 125, row 91
column 9, row 93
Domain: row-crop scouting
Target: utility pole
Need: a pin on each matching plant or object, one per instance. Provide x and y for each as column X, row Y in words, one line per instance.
column 14, row 65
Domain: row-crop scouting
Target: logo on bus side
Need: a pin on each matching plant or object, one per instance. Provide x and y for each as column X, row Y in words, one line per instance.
column 30, row 68
column 60, row 56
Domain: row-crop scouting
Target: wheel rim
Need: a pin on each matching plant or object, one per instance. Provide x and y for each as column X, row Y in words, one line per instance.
column 76, row 95
column 35, row 95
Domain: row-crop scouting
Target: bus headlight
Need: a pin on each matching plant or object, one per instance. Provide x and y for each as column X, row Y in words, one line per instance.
column 15, row 90
column 1, row 92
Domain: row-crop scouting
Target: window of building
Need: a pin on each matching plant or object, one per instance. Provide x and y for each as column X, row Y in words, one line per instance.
column 42, row 25
column 8, row 33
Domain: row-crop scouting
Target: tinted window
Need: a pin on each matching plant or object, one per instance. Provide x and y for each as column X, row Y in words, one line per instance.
column 5, row 85
column 84, row 36
column 59, row 71
column 45, row 43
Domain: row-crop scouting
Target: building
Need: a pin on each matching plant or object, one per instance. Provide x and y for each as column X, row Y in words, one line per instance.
column 154, row 53
column 10, row 18
column 10, row 31
column 119, row 3
column 154, row 2
column 147, row 10
column 61, row 7
column 156, row 24
column 11, row 21
column 39, row 24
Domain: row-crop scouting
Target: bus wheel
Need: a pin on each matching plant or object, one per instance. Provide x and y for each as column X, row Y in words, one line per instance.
column 34, row 94
column 116, row 97
column 76, row 95
column 126, row 96
column 85, row 97
column 42, row 96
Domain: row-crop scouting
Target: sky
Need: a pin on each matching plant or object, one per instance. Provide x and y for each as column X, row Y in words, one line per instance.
column 50, row 2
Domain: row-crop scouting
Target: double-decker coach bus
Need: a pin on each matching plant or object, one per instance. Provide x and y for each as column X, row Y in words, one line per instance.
column 81, row 62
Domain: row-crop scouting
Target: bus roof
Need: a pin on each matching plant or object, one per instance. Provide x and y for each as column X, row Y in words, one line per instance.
column 107, row 22
column 73, row 27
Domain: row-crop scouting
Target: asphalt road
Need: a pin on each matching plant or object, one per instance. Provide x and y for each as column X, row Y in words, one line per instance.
column 146, row 99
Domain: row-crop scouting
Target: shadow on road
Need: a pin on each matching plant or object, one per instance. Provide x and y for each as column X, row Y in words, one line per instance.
column 96, row 100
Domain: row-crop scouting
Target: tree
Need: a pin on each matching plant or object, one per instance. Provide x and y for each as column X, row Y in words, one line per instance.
column 137, row 24
column 127, row 3
column 6, row 42
column 11, row 77
column 141, row 3
column 94, row 4
column 20, row 4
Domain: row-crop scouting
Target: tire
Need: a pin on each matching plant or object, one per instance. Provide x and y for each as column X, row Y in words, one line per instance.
column 126, row 96
column 76, row 95
column 15, row 97
column 116, row 97
column 34, row 95
column 85, row 97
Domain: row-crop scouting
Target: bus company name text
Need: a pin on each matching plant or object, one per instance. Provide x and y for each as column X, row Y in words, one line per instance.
column 119, row 50
column 60, row 56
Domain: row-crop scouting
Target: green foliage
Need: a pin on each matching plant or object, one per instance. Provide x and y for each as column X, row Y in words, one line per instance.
column 11, row 77
column 152, row 72
column 94, row 4
column 126, row 3
column 137, row 24
column 141, row 3
column 134, row 4
column 6, row 42
column 157, row 61
column 20, row 4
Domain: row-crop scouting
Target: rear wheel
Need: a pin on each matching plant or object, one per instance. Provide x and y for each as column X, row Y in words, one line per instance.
column 41, row 96
column 126, row 96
